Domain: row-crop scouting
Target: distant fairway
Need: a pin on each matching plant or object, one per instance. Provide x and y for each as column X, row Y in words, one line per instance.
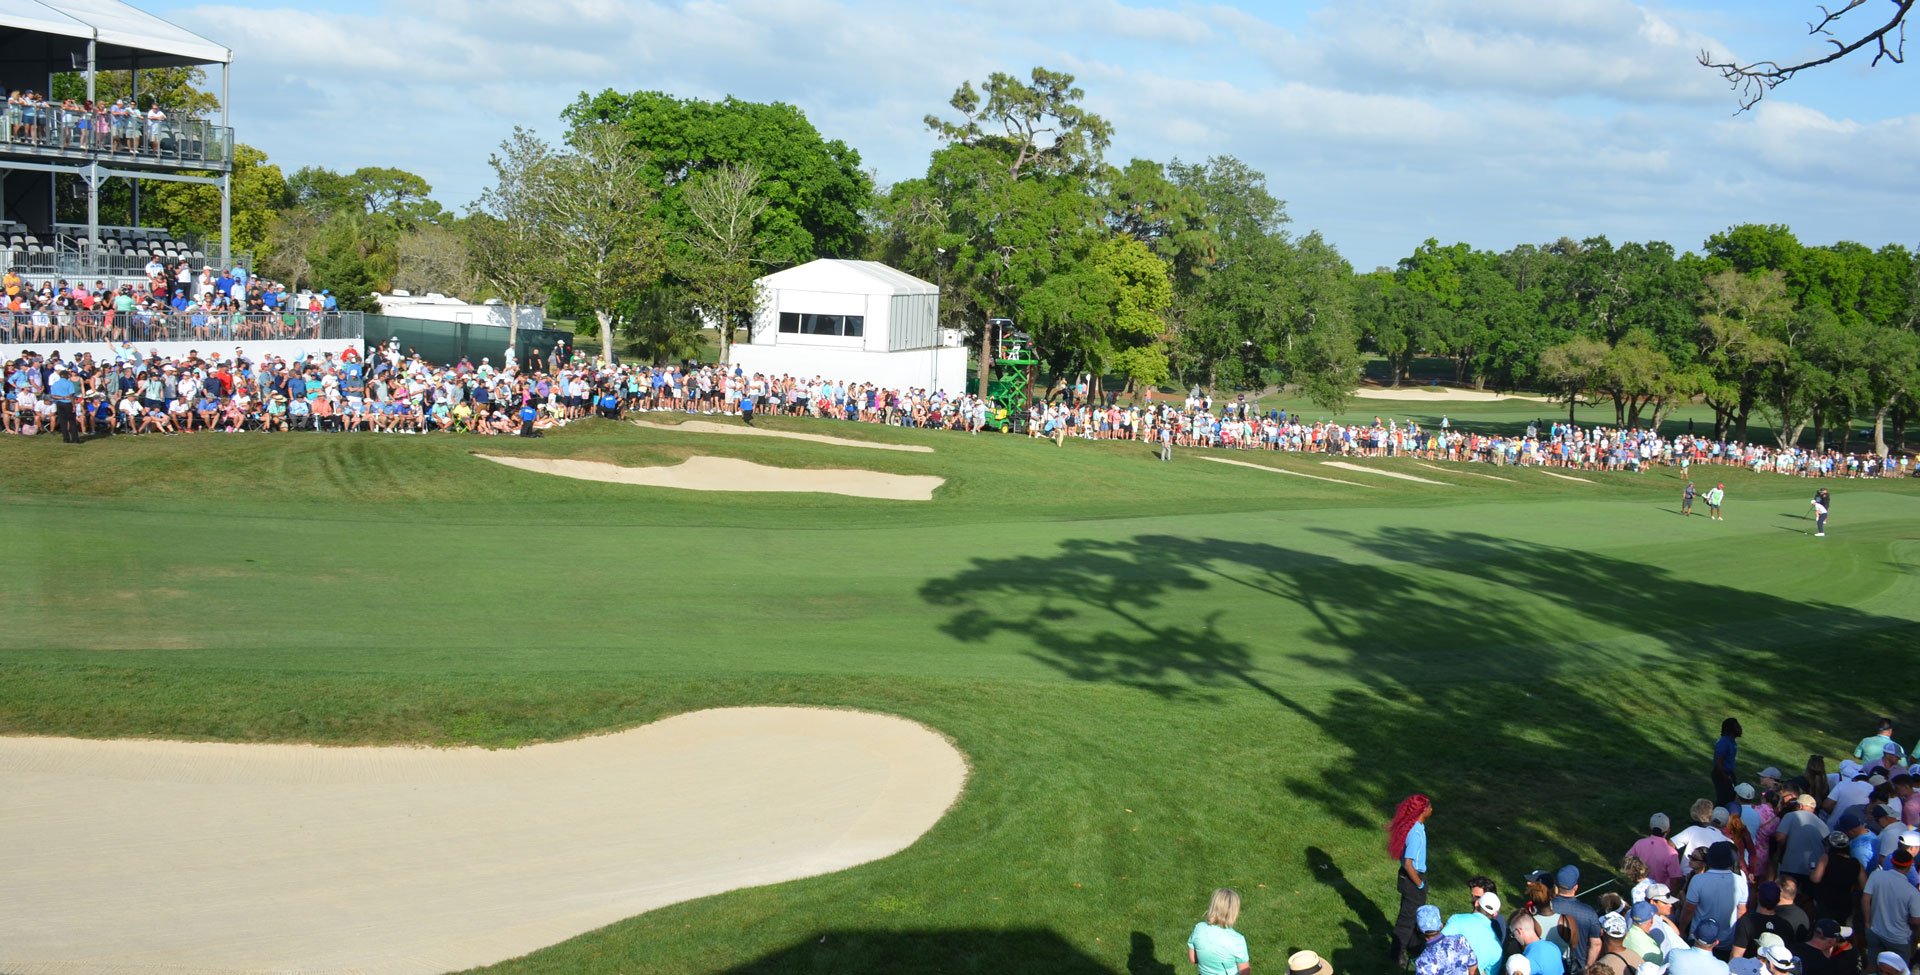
column 1167, row 677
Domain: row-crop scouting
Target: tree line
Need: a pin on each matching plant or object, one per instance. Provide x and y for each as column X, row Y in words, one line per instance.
column 650, row 217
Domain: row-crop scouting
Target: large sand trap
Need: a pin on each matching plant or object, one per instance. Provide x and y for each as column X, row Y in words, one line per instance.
column 724, row 474
column 1449, row 470
column 1282, row 470
column 1567, row 477
column 1417, row 479
column 702, row 426
column 1440, row 394
column 160, row 856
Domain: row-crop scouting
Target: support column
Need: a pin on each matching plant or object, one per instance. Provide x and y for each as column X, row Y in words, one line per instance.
column 226, row 220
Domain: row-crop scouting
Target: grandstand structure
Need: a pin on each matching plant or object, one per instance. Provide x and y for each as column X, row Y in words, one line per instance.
column 40, row 146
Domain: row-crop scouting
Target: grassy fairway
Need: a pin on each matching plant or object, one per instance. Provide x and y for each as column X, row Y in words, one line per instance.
column 1167, row 676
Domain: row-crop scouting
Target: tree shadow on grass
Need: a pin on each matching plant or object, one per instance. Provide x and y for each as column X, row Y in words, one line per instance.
column 1540, row 694
column 967, row 952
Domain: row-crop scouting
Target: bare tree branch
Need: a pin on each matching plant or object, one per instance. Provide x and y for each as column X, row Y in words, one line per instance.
column 1753, row 81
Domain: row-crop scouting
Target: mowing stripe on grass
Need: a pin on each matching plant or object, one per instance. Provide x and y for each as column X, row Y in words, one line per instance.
column 1343, row 465
column 1282, row 470
column 1449, row 470
column 1567, row 477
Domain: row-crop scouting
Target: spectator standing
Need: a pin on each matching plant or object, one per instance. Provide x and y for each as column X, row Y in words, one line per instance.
column 1407, row 845
column 1543, row 957
column 1614, row 957
column 1478, row 927
column 1891, row 907
column 1698, row 958
column 1725, row 752
column 1718, row 896
column 1657, row 852
column 1583, row 947
column 1214, row 945
column 1872, row 747
column 1441, row 954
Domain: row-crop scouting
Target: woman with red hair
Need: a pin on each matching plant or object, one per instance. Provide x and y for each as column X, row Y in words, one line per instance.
column 1407, row 844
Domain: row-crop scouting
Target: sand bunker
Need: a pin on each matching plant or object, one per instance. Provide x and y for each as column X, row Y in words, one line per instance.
column 1282, row 470
column 157, row 856
column 702, row 426
column 1567, row 477
column 1449, row 470
column 1440, row 394
column 724, row 474
column 1417, row 479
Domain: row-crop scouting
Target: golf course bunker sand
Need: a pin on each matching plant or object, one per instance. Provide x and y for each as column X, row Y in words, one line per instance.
column 726, row 474
column 1440, row 394
column 161, row 856
column 1282, row 470
column 1449, row 470
column 1417, row 479
column 702, row 426
column 1567, row 477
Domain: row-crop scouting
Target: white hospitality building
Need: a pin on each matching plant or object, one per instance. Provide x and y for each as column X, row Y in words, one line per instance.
column 857, row 321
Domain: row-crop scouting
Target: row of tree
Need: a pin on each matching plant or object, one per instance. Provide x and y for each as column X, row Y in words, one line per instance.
column 1811, row 338
column 652, row 215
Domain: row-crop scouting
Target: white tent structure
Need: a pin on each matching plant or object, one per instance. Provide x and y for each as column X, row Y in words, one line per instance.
column 857, row 321
column 122, row 36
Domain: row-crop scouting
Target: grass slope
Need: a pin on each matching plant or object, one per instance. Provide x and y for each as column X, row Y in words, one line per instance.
column 1167, row 676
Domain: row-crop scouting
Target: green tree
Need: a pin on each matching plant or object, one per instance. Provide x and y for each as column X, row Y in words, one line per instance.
column 814, row 188
column 180, row 92
column 593, row 210
column 721, row 246
column 1741, row 321
column 504, row 227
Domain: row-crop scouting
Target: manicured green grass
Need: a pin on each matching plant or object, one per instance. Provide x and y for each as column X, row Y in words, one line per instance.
column 1167, row 677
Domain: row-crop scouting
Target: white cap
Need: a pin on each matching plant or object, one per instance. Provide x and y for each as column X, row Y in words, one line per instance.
column 1488, row 903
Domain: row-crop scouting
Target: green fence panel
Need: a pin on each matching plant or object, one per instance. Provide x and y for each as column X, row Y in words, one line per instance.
column 444, row 343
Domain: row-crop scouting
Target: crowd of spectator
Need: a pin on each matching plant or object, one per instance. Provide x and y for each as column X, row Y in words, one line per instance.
column 119, row 126
column 400, row 393
column 1807, row 872
column 173, row 303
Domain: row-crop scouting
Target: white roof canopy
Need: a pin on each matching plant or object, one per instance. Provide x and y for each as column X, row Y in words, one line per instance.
column 126, row 37
column 849, row 277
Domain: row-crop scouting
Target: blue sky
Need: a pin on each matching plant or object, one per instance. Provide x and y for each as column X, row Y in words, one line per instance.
column 1380, row 122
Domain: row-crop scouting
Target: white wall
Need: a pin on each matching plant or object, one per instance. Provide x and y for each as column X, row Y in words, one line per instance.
column 944, row 369
column 103, row 352
column 531, row 316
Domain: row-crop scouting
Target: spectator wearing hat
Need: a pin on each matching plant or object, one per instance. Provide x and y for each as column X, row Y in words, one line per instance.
column 1658, row 852
column 1441, row 954
column 1836, row 881
column 1860, row 839
column 1800, row 839
column 1645, row 941
column 1891, row 907
column 1614, row 959
column 1480, row 927
column 1777, row 960
column 1583, row 946
column 1789, row 912
column 1699, row 956
column 1887, row 830
column 1827, row 950
column 1718, row 896
column 1890, row 963
column 1853, row 789
column 1214, row 945
column 1307, row 963
column 1764, row 918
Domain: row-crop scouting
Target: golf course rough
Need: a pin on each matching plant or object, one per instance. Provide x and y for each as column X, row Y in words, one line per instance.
column 1166, row 677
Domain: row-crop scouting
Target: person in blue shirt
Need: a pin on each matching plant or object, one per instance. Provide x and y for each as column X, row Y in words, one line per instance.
column 527, row 415
column 65, row 393
column 1477, row 926
column 1407, row 844
column 1214, row 946
column 1725, row 751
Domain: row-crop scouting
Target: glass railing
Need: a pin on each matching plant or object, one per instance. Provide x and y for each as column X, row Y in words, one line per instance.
column 51, row 130
column 27, row 328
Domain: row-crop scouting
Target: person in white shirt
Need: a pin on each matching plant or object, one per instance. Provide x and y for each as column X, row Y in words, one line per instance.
column 1701, row 834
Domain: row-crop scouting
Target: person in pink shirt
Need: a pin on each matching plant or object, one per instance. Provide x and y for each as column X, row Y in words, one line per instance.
column 1657, row 852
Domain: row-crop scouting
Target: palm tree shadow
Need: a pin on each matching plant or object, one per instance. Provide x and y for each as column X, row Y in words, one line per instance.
column 1368, row 928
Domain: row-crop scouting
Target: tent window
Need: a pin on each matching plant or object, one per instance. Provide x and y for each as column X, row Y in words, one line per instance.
column 850, row 326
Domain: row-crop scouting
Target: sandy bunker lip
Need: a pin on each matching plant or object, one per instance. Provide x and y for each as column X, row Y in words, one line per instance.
column 727, row 474
column 703, row 426
column 161, row 856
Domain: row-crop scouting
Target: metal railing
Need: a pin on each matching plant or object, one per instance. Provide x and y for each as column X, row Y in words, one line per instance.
column 48, row 328
column 49, row 130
